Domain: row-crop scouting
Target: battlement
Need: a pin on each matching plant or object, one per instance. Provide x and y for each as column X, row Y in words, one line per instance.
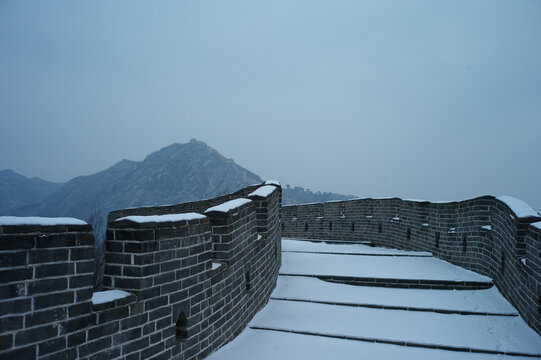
column 496, row 237
column 180, row 281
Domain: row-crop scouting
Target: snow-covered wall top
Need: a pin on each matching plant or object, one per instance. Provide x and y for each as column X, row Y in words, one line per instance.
column 520, row 208
column 42, row 221
column 263, row 191
column 162, row 218
column 228, row 206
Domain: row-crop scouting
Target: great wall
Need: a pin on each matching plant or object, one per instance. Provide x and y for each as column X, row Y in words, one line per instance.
column 190, row 283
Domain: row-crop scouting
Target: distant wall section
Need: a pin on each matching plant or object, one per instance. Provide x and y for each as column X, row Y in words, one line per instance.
column 483, row 234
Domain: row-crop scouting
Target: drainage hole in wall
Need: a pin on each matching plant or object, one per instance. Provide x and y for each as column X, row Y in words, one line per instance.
column 330, row 225
column 437, row 240
column 464, row 243
column 306, row 227
column 352, row 226
column 247, row 279
column 182, row 327
column 380, row 228
column 408, row 234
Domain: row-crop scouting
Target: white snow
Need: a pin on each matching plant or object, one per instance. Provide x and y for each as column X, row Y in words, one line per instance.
column 519, row 207
column 387, row 267
column 308, row 246
column 229, row 205
column 272, row 182
column 425, row 224
column 259, row 237
column 480, row 332
column 100, row 297
column 36, row 220
column 263, row 191
column 396, row 218
column 486, row 227
column 523, row 261
column 492, row 333
column 537, row 224
column 368, row 217
column 162, row 218
column 272, row 345
column 216, row 265
column 306, row 288
column 452, row 231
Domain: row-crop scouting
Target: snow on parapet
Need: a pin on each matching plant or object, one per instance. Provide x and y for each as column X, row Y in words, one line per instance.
column 101, row 297
column 163, row 218
column 519, row 207
column 229, row 205
column 36, row 220
column 272, row 182
column 263, row 191
column 537, row 225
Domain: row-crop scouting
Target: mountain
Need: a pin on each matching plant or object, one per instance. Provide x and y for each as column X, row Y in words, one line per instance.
column 177, row 173
column 299, row 195
column 17, row 190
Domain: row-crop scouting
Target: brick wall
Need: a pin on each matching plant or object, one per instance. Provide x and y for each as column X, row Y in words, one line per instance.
column 179, row 307
column 46, row 283
column 481, row 234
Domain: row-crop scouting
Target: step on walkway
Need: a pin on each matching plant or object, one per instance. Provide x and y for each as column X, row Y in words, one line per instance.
column 308, row 318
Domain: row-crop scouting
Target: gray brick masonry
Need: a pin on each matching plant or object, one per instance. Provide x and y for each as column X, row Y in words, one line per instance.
column 179, row 307
column 481, row 234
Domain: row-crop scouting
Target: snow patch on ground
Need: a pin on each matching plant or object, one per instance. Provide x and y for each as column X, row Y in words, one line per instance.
column 271, row 345
column 307, row 246
column 381, row 267
column 101, row 297
column 263, row 191
column 229, row 205
column 163, row 218
column 312, row 289
column 501, row 333
column 36, row 220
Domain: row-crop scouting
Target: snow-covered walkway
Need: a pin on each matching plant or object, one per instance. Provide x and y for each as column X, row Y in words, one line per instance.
column 308, row 318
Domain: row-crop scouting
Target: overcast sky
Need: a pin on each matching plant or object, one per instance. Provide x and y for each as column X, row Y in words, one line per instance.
column 436, row 100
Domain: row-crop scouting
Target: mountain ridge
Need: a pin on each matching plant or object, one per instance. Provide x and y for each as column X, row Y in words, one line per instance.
column 174, row 174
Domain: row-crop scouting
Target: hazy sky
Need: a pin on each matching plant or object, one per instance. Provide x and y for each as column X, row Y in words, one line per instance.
column 428, row 99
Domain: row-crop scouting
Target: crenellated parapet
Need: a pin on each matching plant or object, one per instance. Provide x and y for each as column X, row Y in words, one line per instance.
column 179, row 280
column 497, row 237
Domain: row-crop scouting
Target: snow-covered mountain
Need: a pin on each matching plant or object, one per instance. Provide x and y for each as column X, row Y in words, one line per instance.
column 177, row 173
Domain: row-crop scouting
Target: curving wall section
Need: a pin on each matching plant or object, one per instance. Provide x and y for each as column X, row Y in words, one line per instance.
column 190, row 277
column 497, row 237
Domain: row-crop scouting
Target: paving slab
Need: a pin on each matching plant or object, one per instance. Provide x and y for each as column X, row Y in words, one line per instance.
column 381, row 267
column 312, row 289
column 270, row 345
column 488, row 333
column 291, row 245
